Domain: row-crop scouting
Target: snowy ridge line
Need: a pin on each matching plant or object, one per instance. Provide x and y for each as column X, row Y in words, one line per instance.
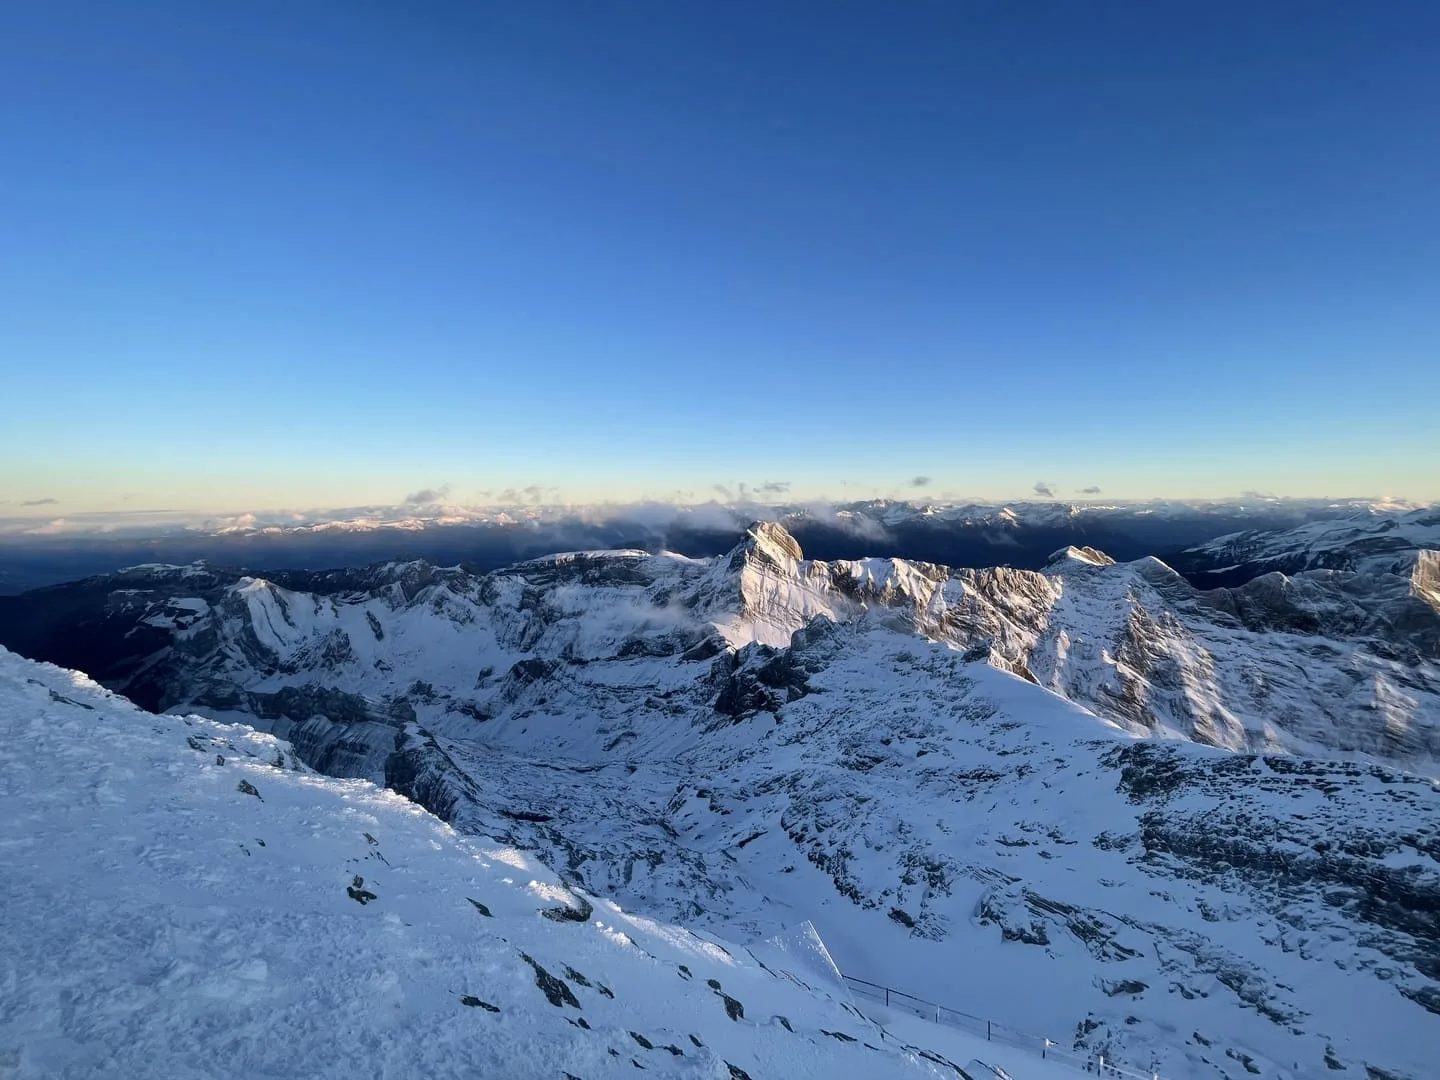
column 993, row 1030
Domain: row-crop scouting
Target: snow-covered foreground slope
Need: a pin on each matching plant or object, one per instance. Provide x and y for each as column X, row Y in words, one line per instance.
column 184, row 899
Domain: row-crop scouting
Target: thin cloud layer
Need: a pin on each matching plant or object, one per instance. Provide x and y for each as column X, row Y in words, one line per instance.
column 526, row 505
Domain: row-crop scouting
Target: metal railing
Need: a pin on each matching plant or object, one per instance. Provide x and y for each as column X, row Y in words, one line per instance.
column 993, row 1031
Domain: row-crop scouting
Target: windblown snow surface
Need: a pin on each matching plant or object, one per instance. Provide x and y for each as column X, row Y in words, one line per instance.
column 183, row 899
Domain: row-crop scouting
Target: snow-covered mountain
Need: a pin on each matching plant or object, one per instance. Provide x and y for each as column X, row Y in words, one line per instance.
column 747, row 742
column 185, row 899
column 1330, row 661
column 37, row 552
column 1368, row 541
column 1043, row 513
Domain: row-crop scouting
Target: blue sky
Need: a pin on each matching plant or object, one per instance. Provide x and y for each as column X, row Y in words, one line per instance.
column 260, row 255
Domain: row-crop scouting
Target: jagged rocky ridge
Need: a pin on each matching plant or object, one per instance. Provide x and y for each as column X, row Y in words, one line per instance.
column 757, row 739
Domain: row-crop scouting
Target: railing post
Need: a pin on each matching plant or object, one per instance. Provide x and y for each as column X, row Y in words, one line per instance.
column 887, row 997
column 937, row 1014
column 1047, row 1047
column 987, row 1030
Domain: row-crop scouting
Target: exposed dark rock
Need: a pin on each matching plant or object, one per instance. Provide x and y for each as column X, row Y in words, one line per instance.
column 575, row 976
column 580, row 913
column 1245, row 1059
column 1122, row 987
column 357, row 891
column 556, row 991
column 526, row 815
column 1428, row 997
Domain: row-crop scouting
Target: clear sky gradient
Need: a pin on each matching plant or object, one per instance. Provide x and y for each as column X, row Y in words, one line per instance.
column 271, row 254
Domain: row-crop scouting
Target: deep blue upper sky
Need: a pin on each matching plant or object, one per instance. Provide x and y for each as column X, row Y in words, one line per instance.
column 269, row 254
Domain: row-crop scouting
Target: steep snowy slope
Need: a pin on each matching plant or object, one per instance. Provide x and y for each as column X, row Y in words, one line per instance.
column 1321, row 662
column 747, row 742
column 958, row 832
column 183, row 899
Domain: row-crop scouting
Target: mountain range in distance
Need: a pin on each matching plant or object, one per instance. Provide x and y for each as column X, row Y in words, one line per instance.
column 1189, row 829
column 1021, row 534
